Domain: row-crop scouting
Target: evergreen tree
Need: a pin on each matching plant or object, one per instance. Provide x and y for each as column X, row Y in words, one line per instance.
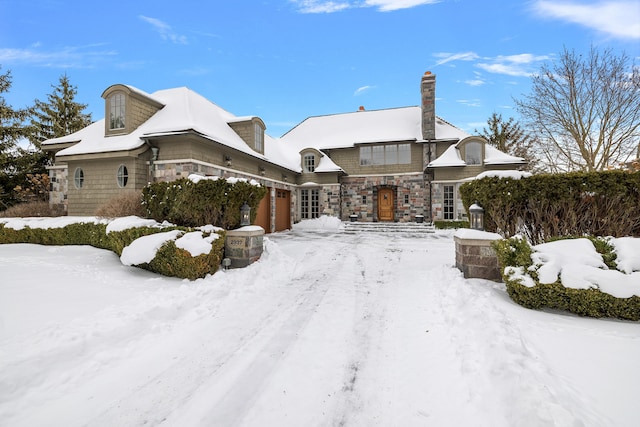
column 508, row 137
column 59, row 116
column 12, row 130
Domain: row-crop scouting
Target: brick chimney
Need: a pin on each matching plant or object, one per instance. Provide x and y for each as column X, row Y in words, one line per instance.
column 428, row 94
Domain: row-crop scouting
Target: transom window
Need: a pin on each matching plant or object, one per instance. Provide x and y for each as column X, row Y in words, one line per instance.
column 309, row 163
column 123, row 176
column 117, row 111
column 390, row 154
column 78, row 178
column 473, row 153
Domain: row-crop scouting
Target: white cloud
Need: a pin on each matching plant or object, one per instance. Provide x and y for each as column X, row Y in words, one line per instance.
column 362, row 90
column 470, row 102
column 390, row 5
column 460, row 56
column 165, row 30
column 66, row 57
column 328, row 6
column 475, row 82
column 320, row 6
column 618, row 18
column 520, row 65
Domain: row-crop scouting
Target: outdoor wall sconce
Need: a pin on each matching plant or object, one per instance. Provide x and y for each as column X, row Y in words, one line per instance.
column 261, row 170
column 245, row 215
column 476, row 214
column 227, row 160
column 284, row 178
column 154, row 153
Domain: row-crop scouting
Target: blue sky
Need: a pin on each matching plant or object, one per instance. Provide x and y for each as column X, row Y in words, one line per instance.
column 285, row 60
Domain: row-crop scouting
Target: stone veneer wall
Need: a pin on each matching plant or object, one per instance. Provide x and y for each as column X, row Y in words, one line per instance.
column 359, row 196
column 438, row 202
column 59, row 186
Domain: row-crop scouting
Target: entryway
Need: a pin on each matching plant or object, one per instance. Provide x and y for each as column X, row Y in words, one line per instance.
column 385, row 204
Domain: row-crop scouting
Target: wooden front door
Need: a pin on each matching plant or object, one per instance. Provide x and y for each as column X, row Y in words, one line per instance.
column 385, row 204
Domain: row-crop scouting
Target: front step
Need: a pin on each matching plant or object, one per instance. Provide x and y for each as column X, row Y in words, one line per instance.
column 388, row 227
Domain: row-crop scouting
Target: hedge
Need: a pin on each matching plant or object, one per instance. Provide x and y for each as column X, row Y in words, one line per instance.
column 169, row 260
column 516, row 252
column 550, row 205
column 208, row 201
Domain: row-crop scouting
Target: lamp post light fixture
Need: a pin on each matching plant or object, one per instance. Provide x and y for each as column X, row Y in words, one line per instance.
column 245, row 215
column 476, row 214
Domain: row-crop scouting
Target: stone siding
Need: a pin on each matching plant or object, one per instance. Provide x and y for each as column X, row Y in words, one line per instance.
column 359, row 196
column 477, row 259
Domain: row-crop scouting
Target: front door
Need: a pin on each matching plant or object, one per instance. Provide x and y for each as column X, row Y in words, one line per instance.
column 385, row 204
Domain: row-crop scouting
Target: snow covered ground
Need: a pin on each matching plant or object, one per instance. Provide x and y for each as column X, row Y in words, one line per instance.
column 328, row 328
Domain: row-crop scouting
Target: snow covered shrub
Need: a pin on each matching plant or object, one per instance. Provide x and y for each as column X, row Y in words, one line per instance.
column 555, row 205
column 207, row 201
column 125, row 204
column 176, row 262
column 169, row 260
column 523, row 270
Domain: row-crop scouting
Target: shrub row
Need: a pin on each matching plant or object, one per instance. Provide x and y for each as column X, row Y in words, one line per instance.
column 550, row 205
column 191, row 204
column 516, row 252
column 443, row 225
column 169, row 260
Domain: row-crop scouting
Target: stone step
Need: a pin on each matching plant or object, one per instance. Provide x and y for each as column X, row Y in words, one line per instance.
column 388, row 227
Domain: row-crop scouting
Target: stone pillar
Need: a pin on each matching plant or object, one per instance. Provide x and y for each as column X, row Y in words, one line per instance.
column 474, row 255
column 244, row 245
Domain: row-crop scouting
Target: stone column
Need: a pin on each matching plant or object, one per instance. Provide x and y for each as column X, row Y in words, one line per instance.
column 244, row 245
column 474, row 255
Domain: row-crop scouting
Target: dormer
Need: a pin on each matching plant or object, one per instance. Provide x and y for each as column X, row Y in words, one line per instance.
column 251, row 130
column 310, row 159
column 472, row 151
column 126, row 108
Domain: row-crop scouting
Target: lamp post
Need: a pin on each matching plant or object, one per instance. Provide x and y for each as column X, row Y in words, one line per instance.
column 476, row 214
column 245, row 215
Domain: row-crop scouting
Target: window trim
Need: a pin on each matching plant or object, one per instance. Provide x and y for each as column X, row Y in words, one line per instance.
column 309, row 163
column 468, row 152
column 78, row 178
column 385, row 154
column 122, row 176
column 117, row 110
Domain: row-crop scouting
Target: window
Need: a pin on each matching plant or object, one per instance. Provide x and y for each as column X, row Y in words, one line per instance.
column 406, row 199
column 390, row 154
column 448, row 202
column 78, row 178
column 258, row 137
column 473, row 153
column 309, row 163
column 123, row 176
column 309, row 203
column 116, row 111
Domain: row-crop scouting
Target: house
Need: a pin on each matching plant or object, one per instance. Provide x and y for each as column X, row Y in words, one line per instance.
column 381, row 165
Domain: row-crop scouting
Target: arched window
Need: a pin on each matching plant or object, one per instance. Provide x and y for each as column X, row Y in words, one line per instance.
column 473, row 153
column 309, row 163
column 123, row 176
column 117, row 111
column 78, row 178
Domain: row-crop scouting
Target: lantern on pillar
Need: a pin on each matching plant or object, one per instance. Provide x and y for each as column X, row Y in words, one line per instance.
column 476, row 214
column 245, row 215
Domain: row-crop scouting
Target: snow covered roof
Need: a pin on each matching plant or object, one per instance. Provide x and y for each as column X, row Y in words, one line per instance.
column 347, row 129
column 184, row 110
column 492, row 156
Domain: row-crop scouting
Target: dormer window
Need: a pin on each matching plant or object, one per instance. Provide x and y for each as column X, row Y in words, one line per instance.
column 309, row 163
column 258, row 138
column 473, row 153
column 117, row 111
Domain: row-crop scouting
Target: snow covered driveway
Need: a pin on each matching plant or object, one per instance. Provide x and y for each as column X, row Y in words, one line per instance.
column 327, row 329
